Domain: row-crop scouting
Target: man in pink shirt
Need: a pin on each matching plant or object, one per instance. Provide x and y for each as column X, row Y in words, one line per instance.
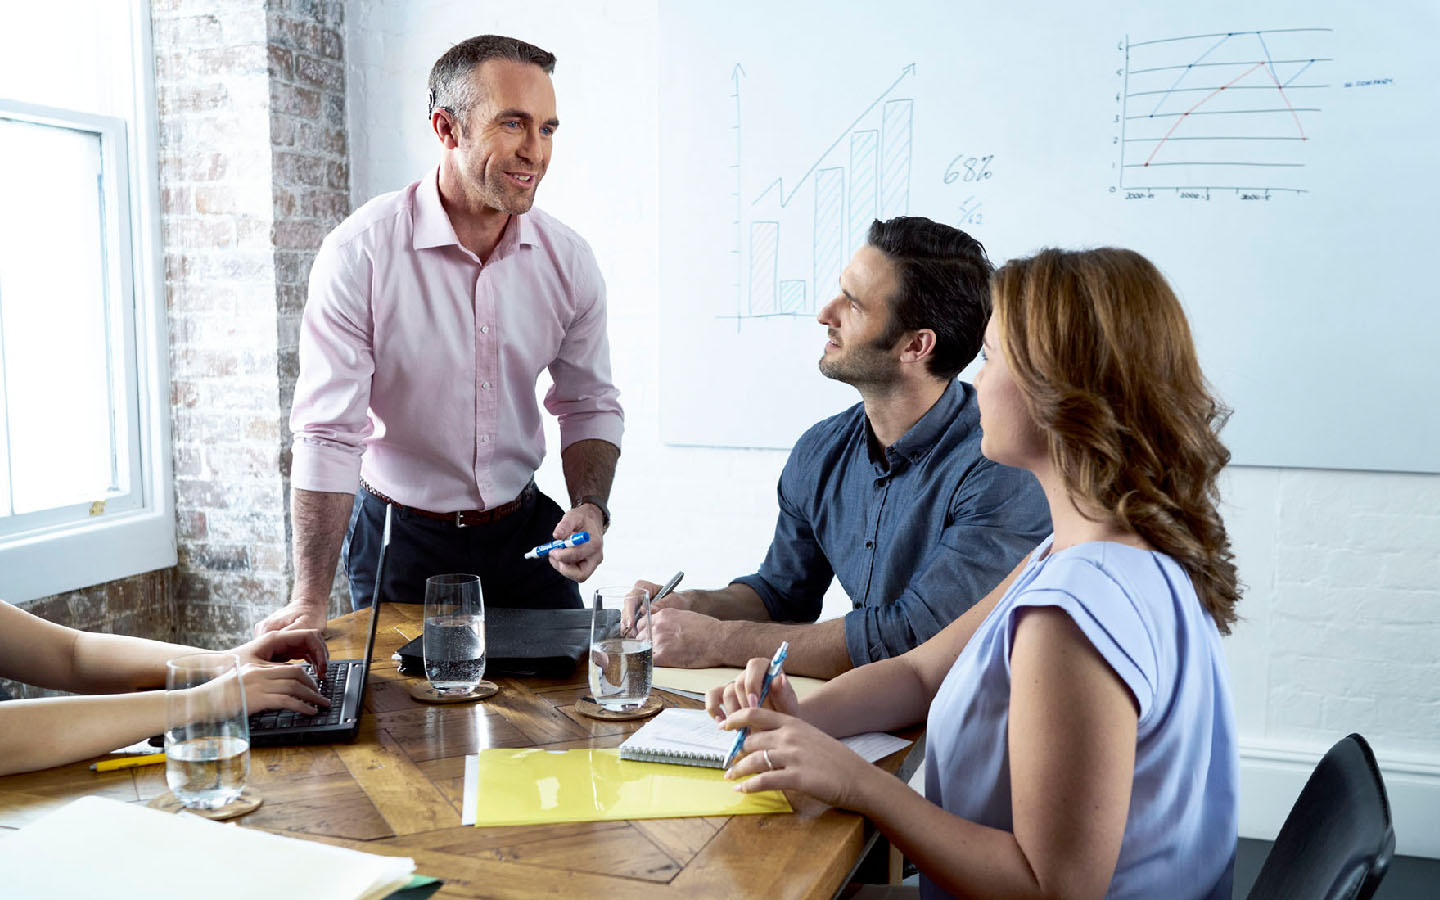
column 431, row 313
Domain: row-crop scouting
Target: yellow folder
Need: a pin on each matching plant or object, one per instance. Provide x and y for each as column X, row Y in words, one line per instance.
column 542, row 787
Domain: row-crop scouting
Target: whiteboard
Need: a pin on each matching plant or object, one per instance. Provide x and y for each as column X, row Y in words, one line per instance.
column 1277, row 160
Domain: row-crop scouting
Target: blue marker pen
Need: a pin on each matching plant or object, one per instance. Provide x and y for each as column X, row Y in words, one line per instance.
column 770, row 673
column 574, row 540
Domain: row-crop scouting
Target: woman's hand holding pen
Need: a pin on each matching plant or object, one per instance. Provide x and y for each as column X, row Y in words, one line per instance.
column 783, row 751
column 744, row 692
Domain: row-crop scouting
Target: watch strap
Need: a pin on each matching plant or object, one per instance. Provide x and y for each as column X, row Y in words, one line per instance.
column 598, row 504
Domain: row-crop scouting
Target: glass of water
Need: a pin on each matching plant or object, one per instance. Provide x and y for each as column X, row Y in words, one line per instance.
column 207, row 733
column 621, row 664
column 454, row 644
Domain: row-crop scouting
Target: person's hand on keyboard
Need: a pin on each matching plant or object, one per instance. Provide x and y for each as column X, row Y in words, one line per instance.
column 272, row 685
column 284, row 646
column 280, row 686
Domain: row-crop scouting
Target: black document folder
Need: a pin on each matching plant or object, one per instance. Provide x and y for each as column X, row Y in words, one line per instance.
column 549, row 642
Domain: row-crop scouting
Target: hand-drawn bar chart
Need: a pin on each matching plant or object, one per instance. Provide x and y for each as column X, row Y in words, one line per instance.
column 1222, row 111
column 794, row 239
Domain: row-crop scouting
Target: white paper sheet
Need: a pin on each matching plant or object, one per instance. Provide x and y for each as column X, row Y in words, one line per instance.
column 96, row 847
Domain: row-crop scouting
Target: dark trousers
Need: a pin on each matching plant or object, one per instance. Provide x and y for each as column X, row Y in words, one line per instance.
column 421, row 546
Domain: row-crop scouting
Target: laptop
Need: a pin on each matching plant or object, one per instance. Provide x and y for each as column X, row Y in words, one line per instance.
column 343, row 685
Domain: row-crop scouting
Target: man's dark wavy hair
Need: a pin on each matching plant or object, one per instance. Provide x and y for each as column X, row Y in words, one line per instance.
column 944, row 278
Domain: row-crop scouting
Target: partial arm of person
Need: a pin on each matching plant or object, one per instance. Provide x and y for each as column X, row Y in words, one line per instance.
column 46, row 732
column 1071, row 739
column 996, row 515
column 586, row 404
column 319, row 520
column 734, row 602
column 816, row 650
column 846, row 704
column 699, row 629
column 970, row 558
column 753, row 614
column 330, row 421
column 589, row 467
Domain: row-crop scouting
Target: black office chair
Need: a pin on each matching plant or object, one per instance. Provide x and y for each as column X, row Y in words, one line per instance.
column 1337, row 842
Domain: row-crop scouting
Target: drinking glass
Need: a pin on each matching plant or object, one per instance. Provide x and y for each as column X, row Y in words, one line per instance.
column 621, row 664
column 207, row 733
column 454, row 644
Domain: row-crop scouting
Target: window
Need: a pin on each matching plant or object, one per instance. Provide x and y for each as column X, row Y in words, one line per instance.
column 84, row 456
column 69, row 446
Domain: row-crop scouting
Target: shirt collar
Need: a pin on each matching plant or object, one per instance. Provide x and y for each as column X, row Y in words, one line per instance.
column 432, row 224
column 519, row 232
column 434, row 229
column 923, row 435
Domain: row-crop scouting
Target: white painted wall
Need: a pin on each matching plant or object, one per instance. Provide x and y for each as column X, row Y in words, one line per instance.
column 1342, row 611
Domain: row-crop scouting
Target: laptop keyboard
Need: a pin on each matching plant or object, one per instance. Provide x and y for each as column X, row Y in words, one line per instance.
column 332, row 687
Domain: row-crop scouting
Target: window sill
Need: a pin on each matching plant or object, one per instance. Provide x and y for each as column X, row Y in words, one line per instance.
column 85, row 554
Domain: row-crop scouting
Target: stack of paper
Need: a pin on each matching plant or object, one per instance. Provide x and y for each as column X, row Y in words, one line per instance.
column 102, row 848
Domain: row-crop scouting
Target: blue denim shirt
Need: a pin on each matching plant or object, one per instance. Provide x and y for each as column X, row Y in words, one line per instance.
column 916, row 538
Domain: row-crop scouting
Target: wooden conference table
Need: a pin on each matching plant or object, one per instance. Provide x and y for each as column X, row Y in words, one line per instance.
column 397, row 791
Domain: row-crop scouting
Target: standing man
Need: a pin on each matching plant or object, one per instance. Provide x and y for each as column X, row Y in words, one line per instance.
column 432, row 311
column 891, row 496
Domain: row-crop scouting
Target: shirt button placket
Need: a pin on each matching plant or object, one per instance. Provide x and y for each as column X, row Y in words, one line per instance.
column 871, row 541
column 487, row 410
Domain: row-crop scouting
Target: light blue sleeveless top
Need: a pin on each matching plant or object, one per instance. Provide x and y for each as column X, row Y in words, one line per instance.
column 1139, row 609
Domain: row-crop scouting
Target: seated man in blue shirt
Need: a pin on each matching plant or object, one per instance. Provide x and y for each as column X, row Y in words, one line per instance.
column 891, row 496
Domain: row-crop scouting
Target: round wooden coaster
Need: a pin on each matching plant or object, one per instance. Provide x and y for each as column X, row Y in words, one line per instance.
column 421, row 690
column 586, row 706
column 247, row 802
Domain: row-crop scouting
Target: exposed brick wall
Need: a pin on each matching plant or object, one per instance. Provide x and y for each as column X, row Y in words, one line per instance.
column 212, row 88
column 254, row 172
column 310, row 180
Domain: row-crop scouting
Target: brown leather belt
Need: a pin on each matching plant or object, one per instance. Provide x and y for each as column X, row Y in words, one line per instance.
column 463, row 518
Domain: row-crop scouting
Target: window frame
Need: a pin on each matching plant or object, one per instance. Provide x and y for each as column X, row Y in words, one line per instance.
column 67, row 548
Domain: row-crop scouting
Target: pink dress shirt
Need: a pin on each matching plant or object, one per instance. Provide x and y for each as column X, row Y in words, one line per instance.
column 418, row 364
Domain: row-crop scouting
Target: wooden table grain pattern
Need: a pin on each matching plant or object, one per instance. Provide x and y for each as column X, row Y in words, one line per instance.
column 397, row 791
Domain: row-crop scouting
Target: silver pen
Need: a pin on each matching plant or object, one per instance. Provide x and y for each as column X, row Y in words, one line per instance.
column 669, row 586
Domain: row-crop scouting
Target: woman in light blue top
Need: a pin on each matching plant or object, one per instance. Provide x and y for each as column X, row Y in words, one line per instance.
column 1080, row 734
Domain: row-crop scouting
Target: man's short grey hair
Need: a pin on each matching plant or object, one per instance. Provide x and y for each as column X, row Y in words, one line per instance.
column 452, row 88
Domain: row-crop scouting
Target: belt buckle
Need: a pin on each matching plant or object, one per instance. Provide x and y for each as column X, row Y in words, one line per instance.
column 460, row 520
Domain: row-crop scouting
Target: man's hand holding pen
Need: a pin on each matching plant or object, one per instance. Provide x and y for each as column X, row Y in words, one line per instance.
column 661, row 597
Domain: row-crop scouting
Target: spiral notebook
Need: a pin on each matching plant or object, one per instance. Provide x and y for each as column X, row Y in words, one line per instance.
column 689, row 737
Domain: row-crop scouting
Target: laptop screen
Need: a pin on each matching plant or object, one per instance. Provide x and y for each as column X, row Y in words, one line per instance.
column 375, row 597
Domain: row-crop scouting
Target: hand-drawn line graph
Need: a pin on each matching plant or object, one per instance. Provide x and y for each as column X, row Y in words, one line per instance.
column 788, row 254
column 1223, row 111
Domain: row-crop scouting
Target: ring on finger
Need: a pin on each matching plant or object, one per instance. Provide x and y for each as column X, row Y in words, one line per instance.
column 770, row 766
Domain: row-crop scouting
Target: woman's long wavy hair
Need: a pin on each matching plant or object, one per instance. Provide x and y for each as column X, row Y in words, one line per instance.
column 1101, row 351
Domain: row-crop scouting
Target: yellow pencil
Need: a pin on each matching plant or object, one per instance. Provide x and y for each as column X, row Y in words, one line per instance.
column 125, row 762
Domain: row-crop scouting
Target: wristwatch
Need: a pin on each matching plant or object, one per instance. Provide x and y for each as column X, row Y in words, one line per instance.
column 598, row 504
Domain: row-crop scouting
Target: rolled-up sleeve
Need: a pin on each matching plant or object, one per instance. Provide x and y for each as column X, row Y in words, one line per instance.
column 997, row 515
column 330, row 417
column 792, row 580
column 582, row 396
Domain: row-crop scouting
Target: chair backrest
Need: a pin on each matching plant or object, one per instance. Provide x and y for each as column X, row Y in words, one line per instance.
column 1337, row 842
